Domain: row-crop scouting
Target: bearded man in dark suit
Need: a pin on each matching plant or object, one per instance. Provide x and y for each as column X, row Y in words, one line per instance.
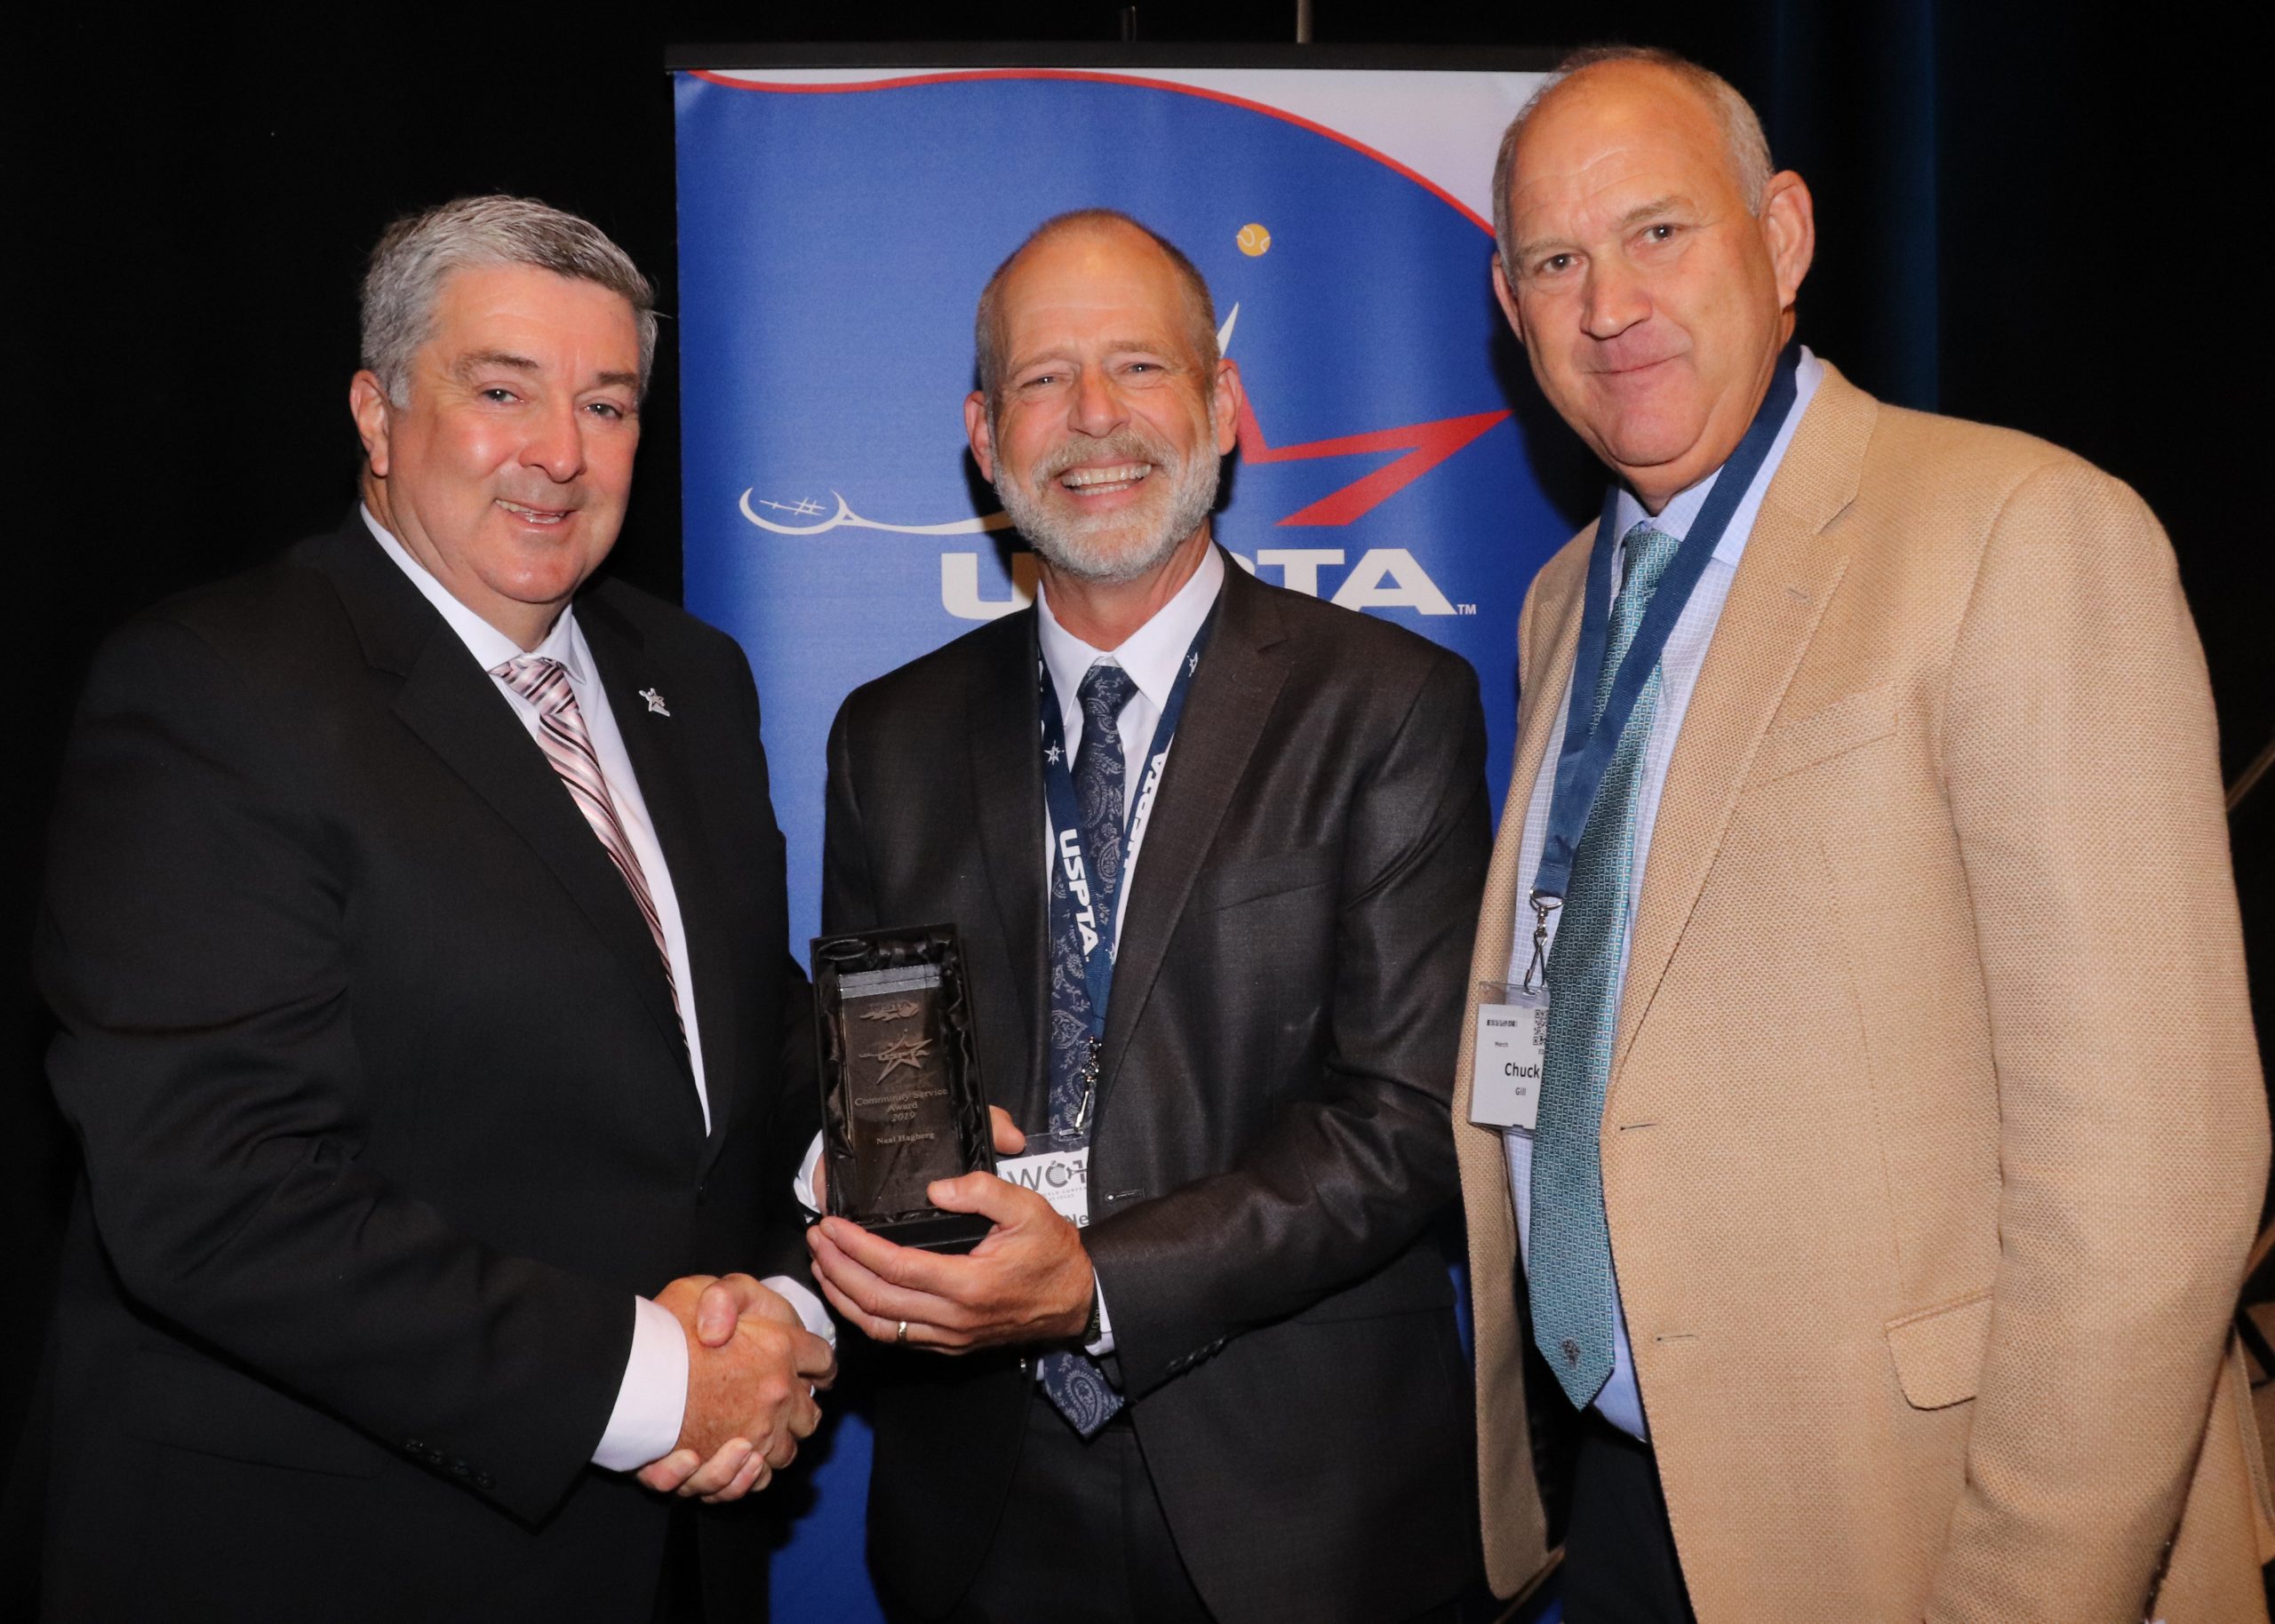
column 415, row 926
column 1214, row 910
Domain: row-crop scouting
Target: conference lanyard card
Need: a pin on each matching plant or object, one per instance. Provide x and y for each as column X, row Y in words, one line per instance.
column 1056, row 1166
column 1511, row 1056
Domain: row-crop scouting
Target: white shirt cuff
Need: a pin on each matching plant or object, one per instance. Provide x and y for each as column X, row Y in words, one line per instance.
column 802, row 1186
column 652, row 1400
column 812, row 1313
column 1106, row 1325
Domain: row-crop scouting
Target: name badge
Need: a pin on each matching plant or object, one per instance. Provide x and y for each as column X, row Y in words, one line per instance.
column 1511, row 1058
column 1057, row 1168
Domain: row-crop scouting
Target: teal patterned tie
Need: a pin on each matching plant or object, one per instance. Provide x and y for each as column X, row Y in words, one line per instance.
column 1569, row 1259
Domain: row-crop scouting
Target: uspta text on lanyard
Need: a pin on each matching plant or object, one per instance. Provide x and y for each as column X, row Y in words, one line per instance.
column 1094, row 899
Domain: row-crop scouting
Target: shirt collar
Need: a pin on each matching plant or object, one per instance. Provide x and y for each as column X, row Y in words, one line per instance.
column 1151, row 653
column 1681, row 510
column 489, row 646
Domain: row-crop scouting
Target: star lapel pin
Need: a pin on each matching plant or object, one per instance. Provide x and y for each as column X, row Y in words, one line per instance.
column 656, row 705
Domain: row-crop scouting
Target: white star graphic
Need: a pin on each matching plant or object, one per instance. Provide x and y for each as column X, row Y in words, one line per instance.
column 1051, row 755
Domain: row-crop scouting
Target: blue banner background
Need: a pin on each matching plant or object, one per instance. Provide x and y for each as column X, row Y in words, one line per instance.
column 833, row 241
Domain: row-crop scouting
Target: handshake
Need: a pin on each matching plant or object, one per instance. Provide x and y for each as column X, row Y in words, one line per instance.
column 752, row 1369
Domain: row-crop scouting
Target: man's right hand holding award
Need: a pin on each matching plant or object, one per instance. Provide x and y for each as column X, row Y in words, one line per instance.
column 1028, row 1280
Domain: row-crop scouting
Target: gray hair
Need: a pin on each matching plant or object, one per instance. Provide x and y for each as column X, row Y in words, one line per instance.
column 418, row 252
column 1748, row 147
column 987, row 324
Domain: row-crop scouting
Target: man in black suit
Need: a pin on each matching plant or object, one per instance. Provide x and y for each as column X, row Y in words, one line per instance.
column 1214, row 917
column 417, row 940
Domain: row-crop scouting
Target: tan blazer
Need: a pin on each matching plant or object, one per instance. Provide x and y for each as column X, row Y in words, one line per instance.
column 1936, row 1136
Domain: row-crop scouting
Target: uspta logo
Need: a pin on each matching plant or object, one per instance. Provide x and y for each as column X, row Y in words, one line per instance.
column 1382, row 578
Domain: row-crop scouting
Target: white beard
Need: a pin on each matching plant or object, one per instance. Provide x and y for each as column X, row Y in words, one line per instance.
column 1120, row 547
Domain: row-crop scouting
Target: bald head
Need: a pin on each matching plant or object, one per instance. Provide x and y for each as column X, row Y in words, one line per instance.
column 1118, row 232
column 1660, row 73
column 1104, row 406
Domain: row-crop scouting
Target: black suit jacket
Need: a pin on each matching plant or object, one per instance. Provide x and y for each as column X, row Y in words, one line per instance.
column 1272, row 1138
column 386, row 1112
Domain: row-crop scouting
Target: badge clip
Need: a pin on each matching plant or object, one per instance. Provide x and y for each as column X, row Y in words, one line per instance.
column 1537, row 970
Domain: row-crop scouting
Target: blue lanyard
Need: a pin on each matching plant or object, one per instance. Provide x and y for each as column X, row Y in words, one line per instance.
column 1589, row 743
column 1094, row 903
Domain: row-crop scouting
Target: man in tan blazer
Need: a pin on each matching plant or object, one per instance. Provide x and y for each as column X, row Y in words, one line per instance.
column 1901, row 1133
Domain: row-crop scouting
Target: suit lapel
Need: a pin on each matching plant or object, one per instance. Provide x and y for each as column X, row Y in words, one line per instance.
column 1512, row 1502
column 1001, row 742
column 1786, row 579
column 455, row 708
column 1542, row 697
column 1232, row 695
column 1548, row 672
column 626, row 669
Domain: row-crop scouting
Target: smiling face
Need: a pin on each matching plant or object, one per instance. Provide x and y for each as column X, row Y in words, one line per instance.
column 506, row 470
column 1651, row 298
column 1103, row 438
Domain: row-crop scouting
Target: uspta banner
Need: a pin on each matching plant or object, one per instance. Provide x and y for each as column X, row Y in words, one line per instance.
column 835, row 228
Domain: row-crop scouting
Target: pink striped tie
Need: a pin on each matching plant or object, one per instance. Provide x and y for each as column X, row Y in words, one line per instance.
column 561, row 733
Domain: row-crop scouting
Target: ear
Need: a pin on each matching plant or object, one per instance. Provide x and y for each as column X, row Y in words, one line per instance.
column 368, row 405
column 1789, row 226
column 1507, row 301
column 1227, row 405
column 981, row 434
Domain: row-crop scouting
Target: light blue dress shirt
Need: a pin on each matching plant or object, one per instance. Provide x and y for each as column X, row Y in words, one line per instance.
column 1621, row 1402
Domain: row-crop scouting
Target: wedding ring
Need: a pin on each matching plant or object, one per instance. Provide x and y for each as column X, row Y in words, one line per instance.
column 901, row 1335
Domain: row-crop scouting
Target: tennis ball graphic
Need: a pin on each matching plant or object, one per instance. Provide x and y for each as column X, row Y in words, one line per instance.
column 1253, row 239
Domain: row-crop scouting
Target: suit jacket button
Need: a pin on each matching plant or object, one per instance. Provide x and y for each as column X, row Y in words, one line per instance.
column 702, row 1191
column 484, row 1482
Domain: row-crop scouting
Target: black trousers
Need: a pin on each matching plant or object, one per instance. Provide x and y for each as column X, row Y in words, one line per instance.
column 1083, row 1537
column 1083, row 1540
column 1619, row 1556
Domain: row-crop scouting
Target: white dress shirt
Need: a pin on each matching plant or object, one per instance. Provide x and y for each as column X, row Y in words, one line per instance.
column 651, row 1400
column 1151, row 654
column 1621, row 1402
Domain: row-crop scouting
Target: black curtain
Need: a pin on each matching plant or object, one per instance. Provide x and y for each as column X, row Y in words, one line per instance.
column 2024, row 217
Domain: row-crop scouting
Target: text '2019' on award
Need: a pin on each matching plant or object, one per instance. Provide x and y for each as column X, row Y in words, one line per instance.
column 901, row 1099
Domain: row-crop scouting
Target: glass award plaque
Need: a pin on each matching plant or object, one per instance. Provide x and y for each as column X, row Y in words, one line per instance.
column 901, row 1099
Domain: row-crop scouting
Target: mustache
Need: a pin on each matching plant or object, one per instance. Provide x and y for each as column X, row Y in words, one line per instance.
column 1123, row 444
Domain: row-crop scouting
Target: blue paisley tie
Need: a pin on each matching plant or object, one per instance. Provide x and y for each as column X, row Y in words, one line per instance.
column 1073, row 1379
column 1568, row 1265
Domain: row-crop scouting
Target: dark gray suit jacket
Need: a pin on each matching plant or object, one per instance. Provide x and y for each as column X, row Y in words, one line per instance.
column 1272, row 1139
